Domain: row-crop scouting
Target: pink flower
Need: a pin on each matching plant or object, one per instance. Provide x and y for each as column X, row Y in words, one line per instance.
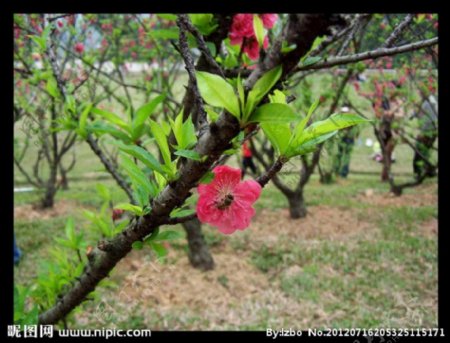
column 242, row 25
column 269, row 20
column 251, row 47
column 79, row 47
column 227, row 202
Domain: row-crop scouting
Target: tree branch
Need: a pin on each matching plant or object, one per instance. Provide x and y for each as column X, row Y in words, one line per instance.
column 398, row 31
column 373, row 54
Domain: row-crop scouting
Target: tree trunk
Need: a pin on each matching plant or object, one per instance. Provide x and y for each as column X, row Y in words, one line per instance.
column 199, row 254
column 297, row 207
column 64, row 180
column 49, row 198
column 326, row 177
column 387, row 160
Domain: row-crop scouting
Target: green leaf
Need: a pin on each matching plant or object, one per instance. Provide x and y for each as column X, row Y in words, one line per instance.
column 258, row 27
column 273, row 113
column 103, row 191
column 207, row 178
column 334, row 122
column 241, row 93
column 167, row 16
column 278, row 134
column 70, row 229
column 212, row 115
column 143, row 113
column 204, row 22
column 161, row 140
column 83, row 121
column 177, row 213
column 298, row 131
column 141, row 154
column 278, row 97
column 191, row 154
column 40, row 41
column 160, row 180
column 112, row 118
column 70, row 103
column 285, row 48
column 218, row 92
column 159, row 249
column 131, row 208
column 261, row 88
column 138, row 179
column 100, row 128
column 168, row 235
column 52, row 88
column 308, row 146
column 152, row 236
column 187, row 138
column 165, row 34
column 311, row 60
column 138, row 245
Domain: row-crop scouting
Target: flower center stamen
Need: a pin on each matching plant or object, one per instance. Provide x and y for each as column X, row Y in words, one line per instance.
column 225, row 202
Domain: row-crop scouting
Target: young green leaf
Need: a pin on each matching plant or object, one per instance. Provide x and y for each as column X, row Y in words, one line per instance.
column 241, row 93
column 184, row 132
column 138, row 179
column 278, row 134
column 191, row 154
column 212, row 115
column 159, row 249
column 83, row 121
column 258, row 28
column 168, row 235
column 207, row 178
column 161, row 140
column 311, row 60
column 103, row 191
column 273, row 113
column 177, row 213
column 261, row 88
column 70, row 229
column 308, row 146
column 112, row 118
column 40, row 41
column 218, row 92
column 131, row 208
column 278, row 97
column 334, row 122
column 141, row 154
column 298, row 131
column 143, row 113
column 100, row 128
column 137, row 245
column 52, row 88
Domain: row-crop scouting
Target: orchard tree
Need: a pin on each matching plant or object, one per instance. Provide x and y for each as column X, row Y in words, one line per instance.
column 233, row 89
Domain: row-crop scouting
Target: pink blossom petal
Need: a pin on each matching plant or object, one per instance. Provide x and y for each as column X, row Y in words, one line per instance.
column 226, row 176
column 251, row 48
column 269, row 20
column 238, row 214
column 247, row 191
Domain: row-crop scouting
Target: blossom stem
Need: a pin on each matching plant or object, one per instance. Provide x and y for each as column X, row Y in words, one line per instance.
column 269, row 174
